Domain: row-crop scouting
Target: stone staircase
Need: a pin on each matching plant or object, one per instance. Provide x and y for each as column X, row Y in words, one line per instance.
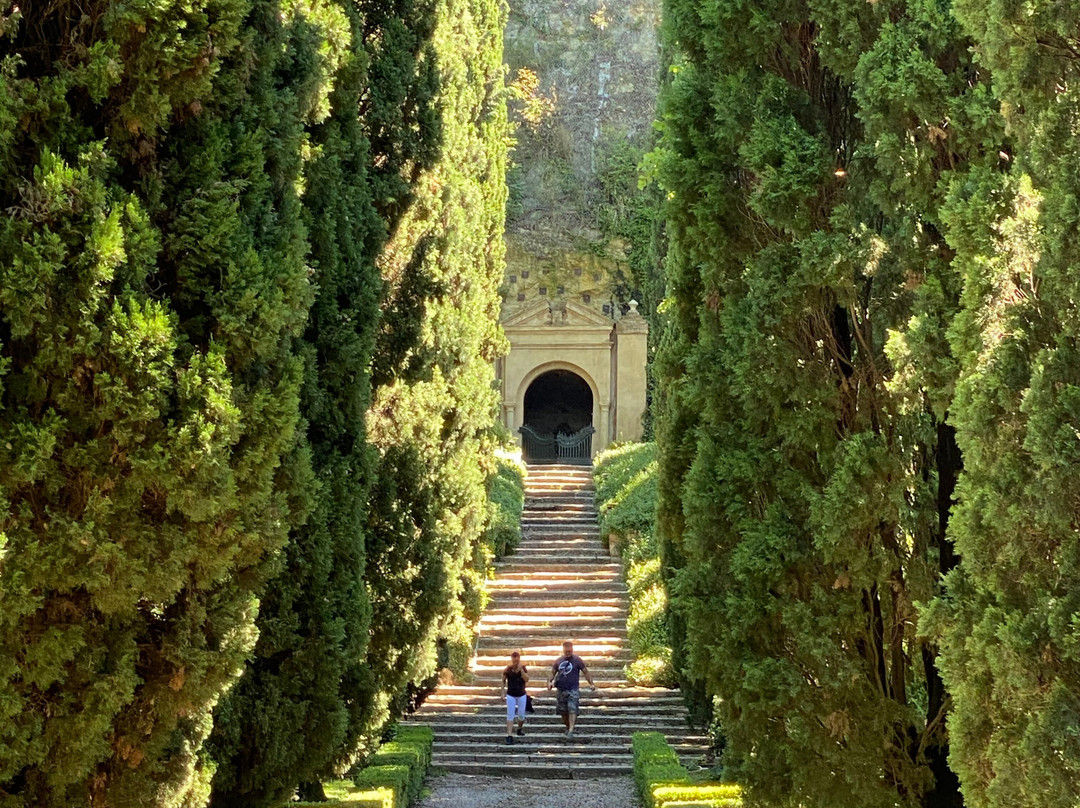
column 560, row 585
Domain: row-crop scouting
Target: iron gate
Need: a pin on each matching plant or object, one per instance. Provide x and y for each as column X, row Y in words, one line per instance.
column 575, row 448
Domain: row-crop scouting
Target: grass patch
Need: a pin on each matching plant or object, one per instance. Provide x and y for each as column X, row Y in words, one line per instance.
column 626, row 494
column 662, row 782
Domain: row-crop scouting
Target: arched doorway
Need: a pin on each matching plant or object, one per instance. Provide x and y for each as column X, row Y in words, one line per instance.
column 557, row 424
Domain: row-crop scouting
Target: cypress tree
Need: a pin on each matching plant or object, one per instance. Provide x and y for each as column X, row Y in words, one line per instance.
column 1010, row 648
column 153, row 283
column 434, row 400
column 294, row 714
column 807, row 461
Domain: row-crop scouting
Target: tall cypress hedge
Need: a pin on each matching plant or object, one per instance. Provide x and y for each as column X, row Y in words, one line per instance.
column 153, row 285
column 434, row 406
column 1010, row 647
column 807, row 462
column 200, row 316
column 294, row 716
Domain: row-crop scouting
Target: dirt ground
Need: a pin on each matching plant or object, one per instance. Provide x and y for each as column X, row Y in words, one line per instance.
column 468, row 791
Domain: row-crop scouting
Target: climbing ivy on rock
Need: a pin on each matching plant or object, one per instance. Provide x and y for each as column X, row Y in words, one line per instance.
column 809, row 150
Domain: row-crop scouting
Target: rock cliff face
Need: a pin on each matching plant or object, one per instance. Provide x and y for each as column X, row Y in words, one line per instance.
column 594, row 67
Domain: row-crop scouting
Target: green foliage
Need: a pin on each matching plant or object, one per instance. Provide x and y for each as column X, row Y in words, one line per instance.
column 807, row 467
column 153, row 286
column 625, row 478
column 296, row 714
column 662, row 782
column 197, row 203
column 506, row 500
column 1007, row 625
column 392, row 778
column 400, row 765
column 434, row 403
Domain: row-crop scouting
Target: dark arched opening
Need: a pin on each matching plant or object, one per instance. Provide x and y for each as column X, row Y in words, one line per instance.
column 557, row 426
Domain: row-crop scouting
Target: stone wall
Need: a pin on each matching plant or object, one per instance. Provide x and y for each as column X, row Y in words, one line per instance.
column 597, row 65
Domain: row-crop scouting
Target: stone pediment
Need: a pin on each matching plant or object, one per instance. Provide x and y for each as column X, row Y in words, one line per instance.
column 557, row 314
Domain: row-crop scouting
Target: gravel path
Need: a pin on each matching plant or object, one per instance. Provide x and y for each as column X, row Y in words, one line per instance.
column 470, row 791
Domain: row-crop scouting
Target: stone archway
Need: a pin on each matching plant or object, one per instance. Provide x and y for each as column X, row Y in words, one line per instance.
column 608, row 356
column 557, row 418
column 558, row 402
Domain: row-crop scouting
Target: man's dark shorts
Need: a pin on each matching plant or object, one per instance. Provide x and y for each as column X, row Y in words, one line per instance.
column 567, row 702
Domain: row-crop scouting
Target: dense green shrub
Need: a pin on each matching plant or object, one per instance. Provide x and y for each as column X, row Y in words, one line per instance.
column 809, row 152
column 662, row 782
column 625, row 479
column 400, row 765
column 154, row 283
column 506, row 499
column 196, row 207
column 1008, row 624
column 434, row 402
column 294, row 715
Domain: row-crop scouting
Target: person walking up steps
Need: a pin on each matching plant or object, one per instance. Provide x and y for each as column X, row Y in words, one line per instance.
column 565, row 676
column 513, row 687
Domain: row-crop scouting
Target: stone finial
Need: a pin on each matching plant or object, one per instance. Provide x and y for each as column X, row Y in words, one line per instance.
column 632, row 322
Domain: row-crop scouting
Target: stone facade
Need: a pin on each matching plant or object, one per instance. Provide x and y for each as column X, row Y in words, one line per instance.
column 609, row 356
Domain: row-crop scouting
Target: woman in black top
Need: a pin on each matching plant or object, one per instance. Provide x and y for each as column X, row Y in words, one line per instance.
column 513, row 689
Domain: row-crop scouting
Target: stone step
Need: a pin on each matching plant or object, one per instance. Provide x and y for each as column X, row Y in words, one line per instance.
column 484, row 696
column 548, row 727
column 608, row 716
column 594, row 555
column 574, row 565
column 555, row 539
column 571, row 507
column 507, row 600
column 555, row 497
column 544, row 595
column 497, row 708
column 598, row 654
column 529, row 745
column 606, row 571
column 545, row 728
column 559, row 588
column 495, row 652
column 584, row 632
column 558, row 754
column 559, row 517
column 599, row 609
column 531, row 771
column 534, row 585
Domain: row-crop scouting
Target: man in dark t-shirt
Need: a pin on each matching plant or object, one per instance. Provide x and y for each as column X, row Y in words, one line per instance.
column 566, row 677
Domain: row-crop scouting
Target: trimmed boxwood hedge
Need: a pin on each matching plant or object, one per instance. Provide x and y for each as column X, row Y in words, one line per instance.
column 400, row 765
column 663, row 782
column 393, row 778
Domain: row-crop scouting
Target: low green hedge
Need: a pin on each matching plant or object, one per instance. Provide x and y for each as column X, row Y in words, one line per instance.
column 393, row 778
column 625, row 479
column 400, row 765
column 663, row 782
